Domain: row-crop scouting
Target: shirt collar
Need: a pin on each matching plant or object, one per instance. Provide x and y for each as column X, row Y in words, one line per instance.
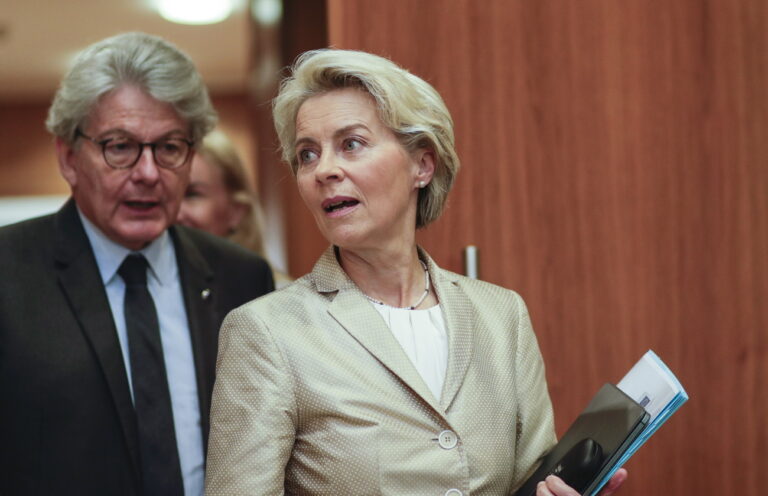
column 160, row 254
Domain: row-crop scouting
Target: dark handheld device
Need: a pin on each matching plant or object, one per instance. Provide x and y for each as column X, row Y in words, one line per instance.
column 579, row 466
column 593, row 444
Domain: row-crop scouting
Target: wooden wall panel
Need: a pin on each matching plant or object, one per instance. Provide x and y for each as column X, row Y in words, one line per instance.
column 28, row 165
column 614, row 173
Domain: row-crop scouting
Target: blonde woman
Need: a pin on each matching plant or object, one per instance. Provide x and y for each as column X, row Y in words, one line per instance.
column 219, row 198
column 378, row 372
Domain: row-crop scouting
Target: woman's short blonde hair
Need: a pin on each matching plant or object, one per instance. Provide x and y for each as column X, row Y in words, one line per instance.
column 407, row 104
column 218, row 151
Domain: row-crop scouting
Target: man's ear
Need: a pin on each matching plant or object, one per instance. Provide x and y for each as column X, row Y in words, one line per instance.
column 425, row 162
column 67, row 164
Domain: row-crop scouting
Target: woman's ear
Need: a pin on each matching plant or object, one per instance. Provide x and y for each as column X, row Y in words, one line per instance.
column 237, row 211
column 425, row 163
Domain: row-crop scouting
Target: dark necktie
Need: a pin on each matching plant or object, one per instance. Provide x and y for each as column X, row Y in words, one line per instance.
column 160, row 469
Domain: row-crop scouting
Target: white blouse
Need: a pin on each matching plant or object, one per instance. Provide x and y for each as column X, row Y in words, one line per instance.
column 423, row 336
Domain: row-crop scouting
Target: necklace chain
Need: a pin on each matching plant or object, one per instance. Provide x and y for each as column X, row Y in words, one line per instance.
column 421, row 299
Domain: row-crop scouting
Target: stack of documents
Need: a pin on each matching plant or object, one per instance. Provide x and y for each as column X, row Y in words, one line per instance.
column 615, row 423
column 654, row 387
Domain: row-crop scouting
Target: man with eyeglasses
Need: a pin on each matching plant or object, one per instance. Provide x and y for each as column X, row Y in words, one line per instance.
column 109, row 314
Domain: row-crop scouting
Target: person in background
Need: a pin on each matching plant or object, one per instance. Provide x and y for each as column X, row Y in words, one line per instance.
column 109, row 314
column 378, row 372
column 220, row 200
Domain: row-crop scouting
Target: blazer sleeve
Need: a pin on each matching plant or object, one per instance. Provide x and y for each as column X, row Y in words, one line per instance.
column 535, row 420
column 253, row 414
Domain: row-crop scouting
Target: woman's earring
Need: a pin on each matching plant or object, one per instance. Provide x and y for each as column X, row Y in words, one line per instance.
column 422, row 184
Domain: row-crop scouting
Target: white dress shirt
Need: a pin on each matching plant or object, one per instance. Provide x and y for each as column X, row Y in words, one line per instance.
column 165, row 287
column 424, row 338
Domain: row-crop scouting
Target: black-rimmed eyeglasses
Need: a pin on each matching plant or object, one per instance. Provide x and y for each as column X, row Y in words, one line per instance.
column 123, row 152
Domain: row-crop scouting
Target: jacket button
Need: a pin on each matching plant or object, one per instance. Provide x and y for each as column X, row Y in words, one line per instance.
column 447, row 440
column 453, row 492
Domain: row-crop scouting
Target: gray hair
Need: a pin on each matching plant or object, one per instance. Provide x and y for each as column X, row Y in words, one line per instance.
column 146, row 61
column 407, row 105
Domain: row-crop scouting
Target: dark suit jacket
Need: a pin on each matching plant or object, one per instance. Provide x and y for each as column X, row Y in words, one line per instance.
column 67, row 424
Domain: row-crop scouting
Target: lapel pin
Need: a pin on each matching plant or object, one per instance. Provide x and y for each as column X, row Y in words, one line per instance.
column 205, row 293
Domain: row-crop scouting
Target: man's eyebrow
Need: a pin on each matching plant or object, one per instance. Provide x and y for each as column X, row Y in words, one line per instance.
column 173, row 133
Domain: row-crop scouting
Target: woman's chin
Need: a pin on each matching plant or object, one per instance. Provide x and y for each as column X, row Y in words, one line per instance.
column 351, row 241
column 341, row 235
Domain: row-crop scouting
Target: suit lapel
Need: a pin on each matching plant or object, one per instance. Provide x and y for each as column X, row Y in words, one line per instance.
column 459, row 315
column 355, row 314
column 83, row 287
column 200, row 295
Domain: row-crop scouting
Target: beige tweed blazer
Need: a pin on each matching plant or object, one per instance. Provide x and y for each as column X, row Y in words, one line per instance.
column 315, row 396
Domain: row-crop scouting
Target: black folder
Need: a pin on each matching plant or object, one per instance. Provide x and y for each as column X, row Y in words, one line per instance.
column 593, row 442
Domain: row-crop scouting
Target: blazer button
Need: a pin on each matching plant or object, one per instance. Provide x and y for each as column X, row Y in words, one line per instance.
column 453, row 492
column 448, row 440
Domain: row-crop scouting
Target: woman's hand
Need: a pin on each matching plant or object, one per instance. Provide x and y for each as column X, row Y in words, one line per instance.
column 554, row 486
